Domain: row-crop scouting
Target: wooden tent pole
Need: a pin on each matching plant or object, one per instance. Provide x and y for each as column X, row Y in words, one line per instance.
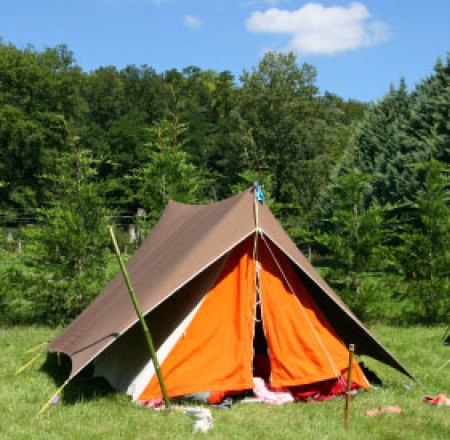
column 351, row 350
column 138, row 309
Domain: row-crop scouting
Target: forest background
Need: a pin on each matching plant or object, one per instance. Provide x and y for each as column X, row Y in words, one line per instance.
column 362, row 188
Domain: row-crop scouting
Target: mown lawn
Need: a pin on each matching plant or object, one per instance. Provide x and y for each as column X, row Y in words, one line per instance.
column 89, row 410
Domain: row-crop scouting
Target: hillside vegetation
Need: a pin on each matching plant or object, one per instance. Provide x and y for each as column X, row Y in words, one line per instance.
column 362, row 188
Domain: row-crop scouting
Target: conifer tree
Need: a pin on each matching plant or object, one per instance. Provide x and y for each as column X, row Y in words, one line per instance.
column 353, row 236
column 425, row 250
column 166, row 172
column 383, row 150
column 67, row 250
column 430, row 114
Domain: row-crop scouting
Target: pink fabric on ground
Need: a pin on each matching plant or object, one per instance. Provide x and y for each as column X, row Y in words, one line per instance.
column 267, row 394
column 154, row 403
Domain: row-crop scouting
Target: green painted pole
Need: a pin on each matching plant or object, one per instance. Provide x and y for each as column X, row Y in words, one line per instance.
column 137, row 307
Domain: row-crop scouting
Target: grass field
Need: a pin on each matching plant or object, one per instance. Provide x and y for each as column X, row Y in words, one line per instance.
column 90, row 410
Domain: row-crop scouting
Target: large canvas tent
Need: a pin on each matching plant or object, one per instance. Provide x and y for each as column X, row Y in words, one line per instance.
column 216, row 283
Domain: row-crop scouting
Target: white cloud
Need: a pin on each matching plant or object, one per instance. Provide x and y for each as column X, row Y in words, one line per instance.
column 193, row 22
column 316, row 29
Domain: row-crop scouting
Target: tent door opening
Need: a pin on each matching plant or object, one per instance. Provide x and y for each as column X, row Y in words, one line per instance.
column 261, row 362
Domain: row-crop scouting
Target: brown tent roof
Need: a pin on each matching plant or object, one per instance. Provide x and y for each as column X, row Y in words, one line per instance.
column 185, row 242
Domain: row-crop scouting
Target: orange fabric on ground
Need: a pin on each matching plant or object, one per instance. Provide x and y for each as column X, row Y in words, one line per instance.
column 216, row 351
column 302, row 344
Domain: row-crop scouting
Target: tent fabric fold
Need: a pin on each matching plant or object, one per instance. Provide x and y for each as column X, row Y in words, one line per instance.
column 202, row 256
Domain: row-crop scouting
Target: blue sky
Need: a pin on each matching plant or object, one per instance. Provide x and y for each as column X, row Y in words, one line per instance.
column 359, row 48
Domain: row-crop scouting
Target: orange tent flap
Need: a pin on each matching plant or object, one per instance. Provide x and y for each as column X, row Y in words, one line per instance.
column 215, row 353
column 303, row 347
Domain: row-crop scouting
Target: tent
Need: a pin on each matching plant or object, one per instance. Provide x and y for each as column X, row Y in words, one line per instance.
column 219, row 284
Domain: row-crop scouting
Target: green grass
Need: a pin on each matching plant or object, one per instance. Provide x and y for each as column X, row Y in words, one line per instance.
column 89, row 410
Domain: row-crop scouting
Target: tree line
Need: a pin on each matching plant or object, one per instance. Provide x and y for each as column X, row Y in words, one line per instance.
column 361, row 188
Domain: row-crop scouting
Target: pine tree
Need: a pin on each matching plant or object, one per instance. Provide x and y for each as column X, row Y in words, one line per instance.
column 353, row 237
column 383, row 149
column 67, row 250
column 430, row 114
column 166, row 172
column 425, row 252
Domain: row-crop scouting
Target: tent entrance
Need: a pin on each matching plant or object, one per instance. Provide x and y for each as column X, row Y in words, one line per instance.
column 261, row 362
column 242, row 329
column 303, row 347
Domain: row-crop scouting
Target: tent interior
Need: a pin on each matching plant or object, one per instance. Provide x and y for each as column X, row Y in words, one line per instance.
column 251, row 312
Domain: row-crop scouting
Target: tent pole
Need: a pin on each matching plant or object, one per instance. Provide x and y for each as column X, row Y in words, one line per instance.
column 351, row 350
column 141, row 318
column 57, row 393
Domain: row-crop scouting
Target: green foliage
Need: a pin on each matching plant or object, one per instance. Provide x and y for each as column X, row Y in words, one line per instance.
column 15, row 305
column 383, row 149
column 37, row 92
column 430, row 114
column 299, row 136
column 424, row 253
column 402, row 146
column 165, row 172
column 354, row 238
column 247, row 180
column 275, row 101
column 197, row 135
column 394, row 133
column 66, row 253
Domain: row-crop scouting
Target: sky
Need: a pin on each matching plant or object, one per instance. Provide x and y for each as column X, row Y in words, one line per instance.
column 359, row 48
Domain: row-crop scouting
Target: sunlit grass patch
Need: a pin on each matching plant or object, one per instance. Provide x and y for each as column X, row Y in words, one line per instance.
column 89, row 409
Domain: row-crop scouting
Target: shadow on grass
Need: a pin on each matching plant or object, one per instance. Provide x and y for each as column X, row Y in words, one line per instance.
column 84, row 386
